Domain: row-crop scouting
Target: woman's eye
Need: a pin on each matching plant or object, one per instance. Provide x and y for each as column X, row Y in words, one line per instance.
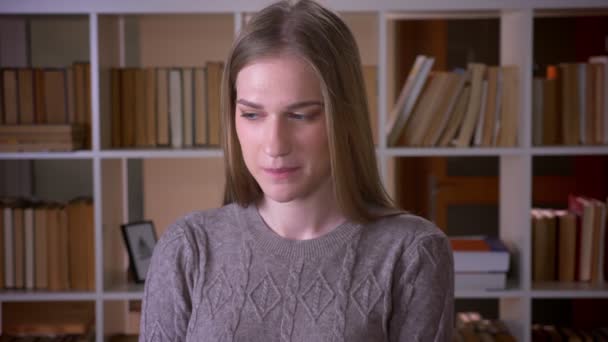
column 250, row 116
column 297, row 116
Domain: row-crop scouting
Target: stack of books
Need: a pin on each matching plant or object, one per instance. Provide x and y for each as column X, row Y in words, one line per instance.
column 50, row 321
column 570, row 104
column 570, row 245
column 471, row 327
column 480, row 263
column 47, row 246
column 41, row 138
column 478, row 106
column 542, row 333
column 37, row 97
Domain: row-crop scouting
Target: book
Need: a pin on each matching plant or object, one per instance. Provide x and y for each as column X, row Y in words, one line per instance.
column 25, row 80
column 176, row 108
column 41, row 248
column 479, row 254
column 419, row 123
column 150, row 107
column 200, row 107
column 407, row 98
column 509, row 110
column 52, row 318
column 214, row 81
column 55, row 96
column 567, row 249
column 19, row 232
column 492, row 106
column 544, row 235
column 9, row 256
column 188, row 107
column 570, row 103
column 162, row 108
column 584, row 209
column 116, row 107
column 551, row 117
column 477, row 136
column 140, row 107
column 29, row 248
column 127, row 109
column 446, row 108
column 456, row 117
column 480, row 280
column 601, row 96
column 471, row 116
column 9, row 95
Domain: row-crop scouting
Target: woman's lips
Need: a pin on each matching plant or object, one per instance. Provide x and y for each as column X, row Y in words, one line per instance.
column 280, row 173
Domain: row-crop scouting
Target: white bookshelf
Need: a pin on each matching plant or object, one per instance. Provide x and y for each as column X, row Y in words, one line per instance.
column 108, row 46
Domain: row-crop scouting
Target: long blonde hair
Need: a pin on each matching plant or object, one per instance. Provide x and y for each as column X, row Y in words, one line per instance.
column 321, row 38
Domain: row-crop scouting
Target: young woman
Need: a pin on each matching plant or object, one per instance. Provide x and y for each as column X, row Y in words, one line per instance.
column 308, row 246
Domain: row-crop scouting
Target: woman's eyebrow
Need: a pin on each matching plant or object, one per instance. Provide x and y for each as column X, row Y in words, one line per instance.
column 292, row 106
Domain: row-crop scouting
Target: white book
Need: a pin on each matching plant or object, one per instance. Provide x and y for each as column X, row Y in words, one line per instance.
column 480, row 280
column 188, row 106
column 28, row 219
column 407, row 99
column 175, row 108
column 481, row 116
column 498, row 106
column 9, row 260
column 604, row 97
column 582, row 105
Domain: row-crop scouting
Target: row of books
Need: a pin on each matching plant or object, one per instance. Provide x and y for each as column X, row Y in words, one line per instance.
column 550, row 333
column 570, row 245
column 472, row 327
column 41, row 138
column 474, row 107
column 480, row 263
column 570, row 104
column 48, row 321
column 47, row 338
column 41, row 96
column 162, row 107
column 47, row 246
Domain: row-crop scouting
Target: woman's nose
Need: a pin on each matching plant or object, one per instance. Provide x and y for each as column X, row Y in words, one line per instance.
column 276, row 137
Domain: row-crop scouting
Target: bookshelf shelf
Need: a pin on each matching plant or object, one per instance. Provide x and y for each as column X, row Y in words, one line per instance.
column 450, row 152
column 46, row 155
column 488, row 294
column 569, row 150
column 32, row 296
column 123, row 33
column 162, row 153
column 569, row 290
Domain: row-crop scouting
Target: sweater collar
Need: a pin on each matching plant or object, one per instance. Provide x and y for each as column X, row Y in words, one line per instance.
column 266, row 239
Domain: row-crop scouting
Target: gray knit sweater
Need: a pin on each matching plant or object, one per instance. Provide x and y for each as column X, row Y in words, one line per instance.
column 224, row 275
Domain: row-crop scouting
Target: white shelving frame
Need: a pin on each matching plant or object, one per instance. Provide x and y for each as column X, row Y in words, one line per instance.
column 516, row 32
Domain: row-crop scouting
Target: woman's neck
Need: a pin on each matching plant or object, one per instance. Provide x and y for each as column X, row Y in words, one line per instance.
column 303, row 219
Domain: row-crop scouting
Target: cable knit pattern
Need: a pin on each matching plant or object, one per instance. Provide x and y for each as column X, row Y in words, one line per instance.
column 224, row 275
column 291, row 299
column 343, row 288
column 245, row 264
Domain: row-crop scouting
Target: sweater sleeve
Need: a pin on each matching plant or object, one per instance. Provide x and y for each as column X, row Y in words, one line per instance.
column 167, row 302
column 423, row 292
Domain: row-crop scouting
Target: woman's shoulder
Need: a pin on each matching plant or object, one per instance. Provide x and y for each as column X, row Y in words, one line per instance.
column 403, row 229
column 204, row 222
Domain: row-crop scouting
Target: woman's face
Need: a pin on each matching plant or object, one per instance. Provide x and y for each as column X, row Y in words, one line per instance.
column 280, row 124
